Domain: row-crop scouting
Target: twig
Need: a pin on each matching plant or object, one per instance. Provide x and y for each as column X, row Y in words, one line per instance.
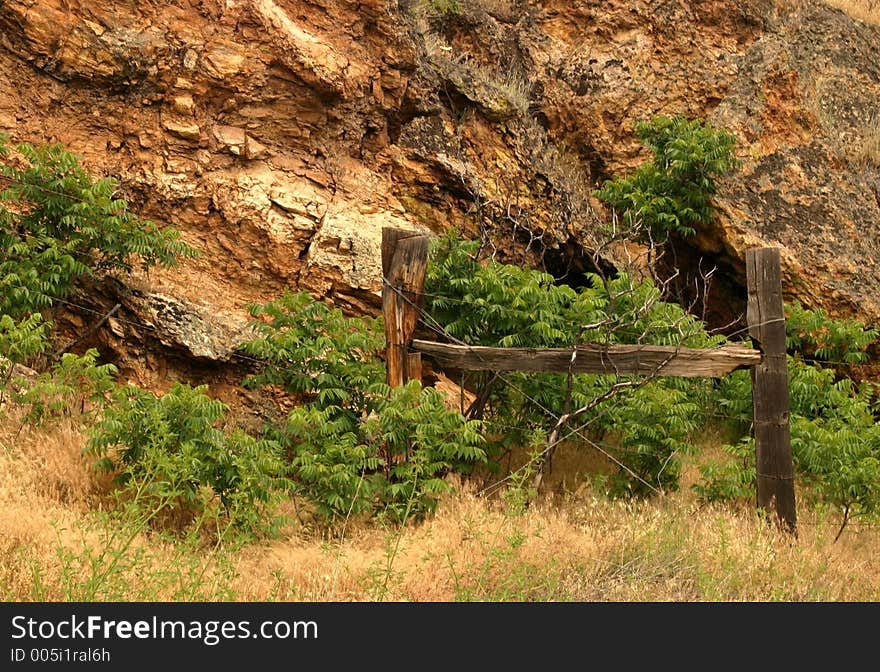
column 91, row 330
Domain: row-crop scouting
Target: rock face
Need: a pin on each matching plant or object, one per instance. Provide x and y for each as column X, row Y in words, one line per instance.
column 281, row 136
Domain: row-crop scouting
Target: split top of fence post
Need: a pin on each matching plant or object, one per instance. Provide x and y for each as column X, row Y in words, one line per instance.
column 404, row 264
column 770, row 394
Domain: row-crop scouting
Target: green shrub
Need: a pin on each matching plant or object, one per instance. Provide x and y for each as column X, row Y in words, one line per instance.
column 171, row 449
column 813, row 334
column 394, row 461
column 22, row 339
column 487, row 303
column 422, row 440
column 75, row 384
column 835, row 438
column 653, row 427
column 355, row 446
column 332, row 467
column 319, row 355
column 19, row 340
column 732, row 479
column 841, row 463
column 673, row 192
column 57, row 224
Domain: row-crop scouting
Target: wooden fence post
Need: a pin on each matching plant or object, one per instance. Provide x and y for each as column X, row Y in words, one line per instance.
column 404, row 264
column 770, row 396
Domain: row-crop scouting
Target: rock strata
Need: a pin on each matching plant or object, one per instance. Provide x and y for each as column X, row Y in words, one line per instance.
column 280, row 136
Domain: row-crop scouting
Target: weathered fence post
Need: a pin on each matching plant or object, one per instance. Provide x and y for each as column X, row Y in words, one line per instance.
column 404, row 264
column 770, row 396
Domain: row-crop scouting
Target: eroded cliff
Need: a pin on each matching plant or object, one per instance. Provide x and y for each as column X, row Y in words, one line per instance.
column 280, row 136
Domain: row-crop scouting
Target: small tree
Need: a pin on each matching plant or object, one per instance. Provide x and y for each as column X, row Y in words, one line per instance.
column 673, row 192
column 58, row 224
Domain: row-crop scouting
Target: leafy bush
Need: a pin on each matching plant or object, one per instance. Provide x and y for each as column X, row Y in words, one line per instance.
column 57, row 224
column 355, row 446
column 333, row 469
column 653, row 427
column 812, row 333
column 19, row 340
column 673, row 192
column 319, row 355
column 75, row 384
column 487, row 303
column 841, row 462
column 393, row 461
column 171, row 449
column 22, row 339
column 835, row 439
column 733, row 479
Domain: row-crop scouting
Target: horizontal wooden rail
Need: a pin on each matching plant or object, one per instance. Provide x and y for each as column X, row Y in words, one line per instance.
column 629, row 360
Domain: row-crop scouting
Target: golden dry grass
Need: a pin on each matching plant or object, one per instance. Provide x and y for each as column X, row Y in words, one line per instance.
column 864, row 10
column 582, row 548
column 591, row 550
column 867, row 149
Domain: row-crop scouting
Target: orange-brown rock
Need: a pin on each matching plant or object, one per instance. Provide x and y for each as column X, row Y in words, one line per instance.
column 280, row 136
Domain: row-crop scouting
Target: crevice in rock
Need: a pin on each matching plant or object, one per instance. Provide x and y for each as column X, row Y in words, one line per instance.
column 570, row 264
column 710, row 285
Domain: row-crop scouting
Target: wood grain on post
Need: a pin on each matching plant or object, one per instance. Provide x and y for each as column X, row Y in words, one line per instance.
column 404, row 264
column 770, row 396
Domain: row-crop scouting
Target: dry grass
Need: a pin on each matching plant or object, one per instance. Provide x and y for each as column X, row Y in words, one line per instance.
column 44, row 490
column 863, row 10
column 582, row 548
column 501, row 91
column 850, row 125
column 867, row 149
column 590, row 550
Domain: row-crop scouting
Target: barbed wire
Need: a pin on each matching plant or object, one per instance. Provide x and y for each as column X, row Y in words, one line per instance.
column 436, row 327
column 569, row 433
column 433, row 325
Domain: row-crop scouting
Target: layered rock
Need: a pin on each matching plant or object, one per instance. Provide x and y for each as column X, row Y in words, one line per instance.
column 280, row 136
